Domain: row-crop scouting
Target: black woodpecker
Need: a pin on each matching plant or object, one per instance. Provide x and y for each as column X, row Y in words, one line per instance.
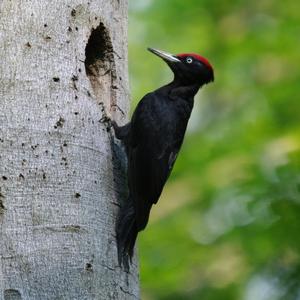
column 152, row 140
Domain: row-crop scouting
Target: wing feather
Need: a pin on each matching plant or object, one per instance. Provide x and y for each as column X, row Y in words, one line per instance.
column 151, row 156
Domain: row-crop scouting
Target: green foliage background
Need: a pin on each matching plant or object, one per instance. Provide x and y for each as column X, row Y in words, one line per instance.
column 228, row 223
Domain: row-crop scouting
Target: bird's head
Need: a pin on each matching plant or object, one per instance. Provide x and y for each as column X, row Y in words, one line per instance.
column 188, row 68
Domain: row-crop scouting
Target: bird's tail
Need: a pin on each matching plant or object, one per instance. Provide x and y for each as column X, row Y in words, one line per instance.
column 126, row 233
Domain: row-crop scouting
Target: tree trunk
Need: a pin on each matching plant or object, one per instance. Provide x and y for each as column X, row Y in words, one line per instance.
column 63, row 66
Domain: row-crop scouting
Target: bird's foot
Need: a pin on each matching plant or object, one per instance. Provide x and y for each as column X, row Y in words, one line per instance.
column 106, row 119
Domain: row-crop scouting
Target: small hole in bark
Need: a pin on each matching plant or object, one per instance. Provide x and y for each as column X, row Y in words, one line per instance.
column 12, row 295
column 89, row 267
column 59, row 123
column 100, row 65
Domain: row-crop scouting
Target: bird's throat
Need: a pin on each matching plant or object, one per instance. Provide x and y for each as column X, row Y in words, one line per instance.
column 184, row 90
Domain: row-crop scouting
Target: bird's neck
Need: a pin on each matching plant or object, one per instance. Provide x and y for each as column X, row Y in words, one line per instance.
column 186, row 91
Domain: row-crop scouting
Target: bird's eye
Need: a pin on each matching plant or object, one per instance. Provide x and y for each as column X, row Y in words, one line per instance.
column 189, row 60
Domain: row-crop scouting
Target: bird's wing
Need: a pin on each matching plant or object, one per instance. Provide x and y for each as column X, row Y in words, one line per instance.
column 152, row 152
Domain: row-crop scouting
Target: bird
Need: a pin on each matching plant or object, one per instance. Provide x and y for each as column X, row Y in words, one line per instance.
column 152, row 140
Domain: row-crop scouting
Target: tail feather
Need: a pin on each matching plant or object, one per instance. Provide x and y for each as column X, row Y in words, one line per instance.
column 126, row 234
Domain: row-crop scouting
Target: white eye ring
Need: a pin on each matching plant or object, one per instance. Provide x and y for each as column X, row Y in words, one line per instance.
column 189, row 60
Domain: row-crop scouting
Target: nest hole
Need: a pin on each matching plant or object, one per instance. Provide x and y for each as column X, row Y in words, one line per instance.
column 100, row 65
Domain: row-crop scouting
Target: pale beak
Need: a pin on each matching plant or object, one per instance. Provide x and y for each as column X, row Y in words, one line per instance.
column 164, row 55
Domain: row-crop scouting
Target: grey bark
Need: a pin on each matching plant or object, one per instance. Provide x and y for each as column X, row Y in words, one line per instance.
column 61, row 173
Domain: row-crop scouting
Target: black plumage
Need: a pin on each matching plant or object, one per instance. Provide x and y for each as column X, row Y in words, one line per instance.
column 152, row 141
